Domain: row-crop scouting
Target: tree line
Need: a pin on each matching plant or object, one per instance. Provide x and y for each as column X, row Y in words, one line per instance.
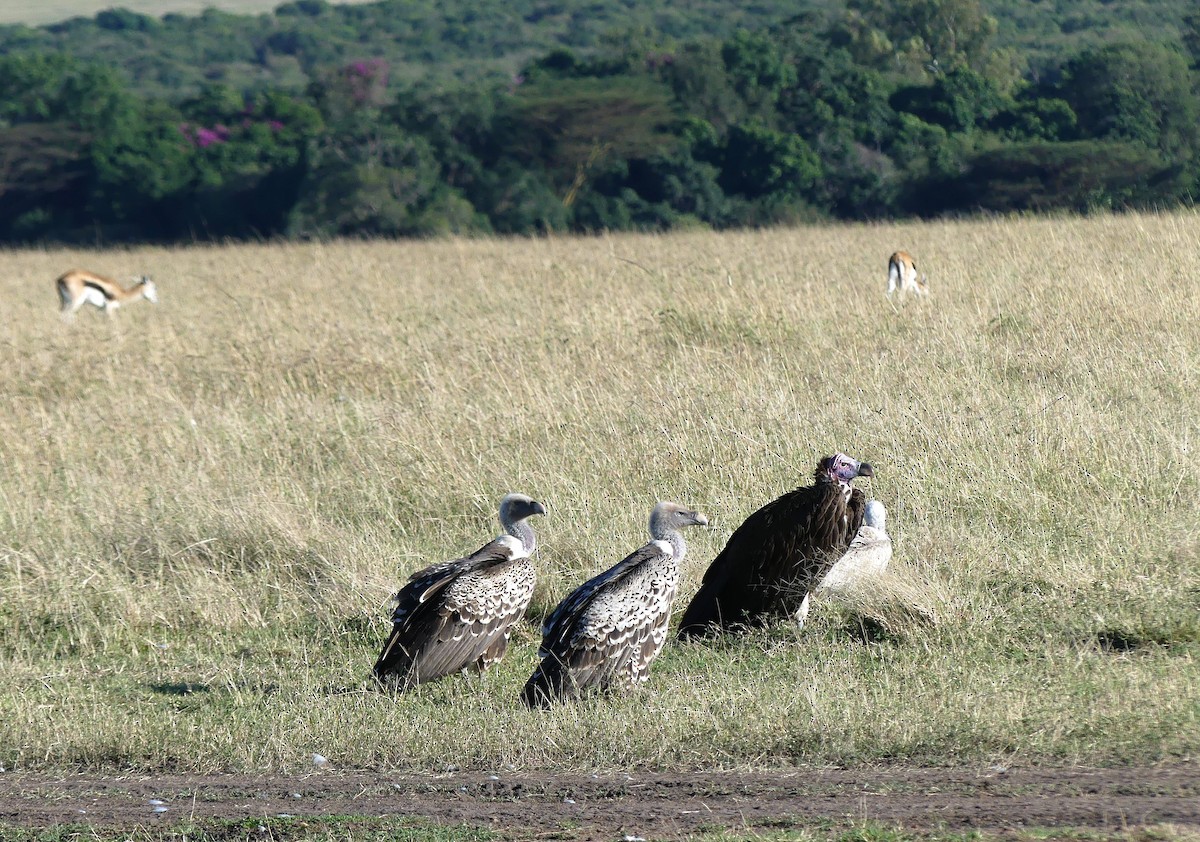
column 875, row 109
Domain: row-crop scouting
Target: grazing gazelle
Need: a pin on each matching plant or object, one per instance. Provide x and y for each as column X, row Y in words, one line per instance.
column 902, row 275
column 79, row 286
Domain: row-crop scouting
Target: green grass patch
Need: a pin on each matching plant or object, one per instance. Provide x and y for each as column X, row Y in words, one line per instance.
column 205, row 505
column 309, row 829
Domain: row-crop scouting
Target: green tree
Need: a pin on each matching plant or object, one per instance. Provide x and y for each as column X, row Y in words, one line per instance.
column 757, row 70
column 757, row 161
column 699, row 82
column 1190, row 35
column 832, row 93
column 43, row 180
column 1136, row 91
column 1079, row 176
column 958, row 100
column 1039, row 118
column 574, row 126
column 138, row 165
column 938, row 35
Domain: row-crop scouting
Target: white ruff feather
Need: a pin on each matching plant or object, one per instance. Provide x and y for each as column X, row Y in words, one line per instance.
column 514, row 546
column 665, row 547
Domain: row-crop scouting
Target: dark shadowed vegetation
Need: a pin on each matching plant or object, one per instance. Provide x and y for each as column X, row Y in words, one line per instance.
column 411, row 119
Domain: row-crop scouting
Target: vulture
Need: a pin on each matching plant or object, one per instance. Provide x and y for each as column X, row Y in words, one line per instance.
column 780, row 553
column 868, row 556
column 457, row 614
column 607, row 631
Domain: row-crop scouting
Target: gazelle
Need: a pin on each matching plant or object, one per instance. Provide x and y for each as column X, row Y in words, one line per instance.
column 79, row 286
column 902, row 275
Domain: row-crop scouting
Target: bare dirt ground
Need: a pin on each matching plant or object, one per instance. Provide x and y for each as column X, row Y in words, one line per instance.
column 653, row 805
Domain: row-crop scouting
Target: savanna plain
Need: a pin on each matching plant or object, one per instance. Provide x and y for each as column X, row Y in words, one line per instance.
column 205, row 504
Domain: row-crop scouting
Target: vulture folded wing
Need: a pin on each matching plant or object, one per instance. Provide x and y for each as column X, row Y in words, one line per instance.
column 471, row 629
column 774, row 558
column 869, row 555
column 446, row 617
column 592, row 636
column 563, row 624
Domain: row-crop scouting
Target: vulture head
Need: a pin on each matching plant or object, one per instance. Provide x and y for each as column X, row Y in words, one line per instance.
column 517, row 507
column 841, row 468
column 875, row 516
column 670, row 517
column 667, row 519
column 514, row 509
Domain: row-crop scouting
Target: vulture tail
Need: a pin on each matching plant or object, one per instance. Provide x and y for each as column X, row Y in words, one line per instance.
column 703, row 615
column 550, row 682
column 394, row 661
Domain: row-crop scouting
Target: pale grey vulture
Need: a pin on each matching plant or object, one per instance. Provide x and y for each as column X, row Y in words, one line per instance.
column 457, row 615
column 606, row 633
column 868, row 556
column 779, row 554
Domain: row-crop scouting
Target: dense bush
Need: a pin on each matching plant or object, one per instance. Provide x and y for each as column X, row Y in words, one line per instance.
column 303, row 124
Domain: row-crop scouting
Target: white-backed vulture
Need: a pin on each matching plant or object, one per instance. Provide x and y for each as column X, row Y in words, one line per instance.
column 778, row 555
column 457, row 615
column 607, row 631
column 869, row 555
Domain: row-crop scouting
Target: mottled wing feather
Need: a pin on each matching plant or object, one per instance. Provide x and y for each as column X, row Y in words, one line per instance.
column 608, row 630
column 494, row 654
column 563, row 622
column 470, row 621
column 450, row 614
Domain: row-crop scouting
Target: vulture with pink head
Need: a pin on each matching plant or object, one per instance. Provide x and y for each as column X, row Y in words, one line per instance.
column 779, row 554
column 457, row 615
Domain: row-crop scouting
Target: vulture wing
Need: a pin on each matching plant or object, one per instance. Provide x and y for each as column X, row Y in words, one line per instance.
column 775, row 558
column 869, row 555
column 457, row 614
column 607, row 630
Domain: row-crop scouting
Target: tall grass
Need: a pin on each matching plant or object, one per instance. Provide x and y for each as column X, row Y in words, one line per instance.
column 205, row 504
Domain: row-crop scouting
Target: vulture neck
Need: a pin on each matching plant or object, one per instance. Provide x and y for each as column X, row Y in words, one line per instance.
column 523, row 532
column 663, row 532
column 844, row 487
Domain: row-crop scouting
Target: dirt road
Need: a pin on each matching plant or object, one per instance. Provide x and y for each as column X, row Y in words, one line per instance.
column 639, row 804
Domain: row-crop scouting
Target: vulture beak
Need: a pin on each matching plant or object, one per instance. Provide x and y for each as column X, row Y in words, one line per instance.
column 865, row 470
column 537, row 508
column 699, row 519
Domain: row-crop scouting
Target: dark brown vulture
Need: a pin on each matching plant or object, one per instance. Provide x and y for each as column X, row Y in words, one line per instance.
column 606, row 633
column 775, row 558
column 457, row 615
column 869, row 555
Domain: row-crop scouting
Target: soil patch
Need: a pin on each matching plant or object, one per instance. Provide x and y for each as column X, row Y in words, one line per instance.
column 654, row 805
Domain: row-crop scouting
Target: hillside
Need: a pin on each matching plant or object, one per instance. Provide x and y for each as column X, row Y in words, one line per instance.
column 413, row 119
column 462, row 38
column 239, row 42
column 34, row 13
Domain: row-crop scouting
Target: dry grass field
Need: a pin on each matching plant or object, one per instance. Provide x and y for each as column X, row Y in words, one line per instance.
column 34, row 13
column 206, row 503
